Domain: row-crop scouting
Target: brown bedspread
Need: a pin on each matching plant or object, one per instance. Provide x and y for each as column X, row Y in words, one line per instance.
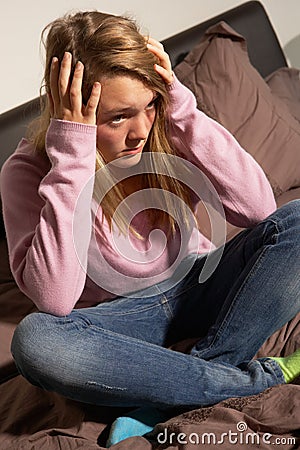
column 31, row 419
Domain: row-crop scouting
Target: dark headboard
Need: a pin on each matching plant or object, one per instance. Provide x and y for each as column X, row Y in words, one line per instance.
column 13, row 126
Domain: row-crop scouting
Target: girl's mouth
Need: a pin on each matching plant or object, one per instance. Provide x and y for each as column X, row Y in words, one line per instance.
column 133, row 151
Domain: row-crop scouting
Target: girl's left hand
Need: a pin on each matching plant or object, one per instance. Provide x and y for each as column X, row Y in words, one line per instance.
column 164, row 68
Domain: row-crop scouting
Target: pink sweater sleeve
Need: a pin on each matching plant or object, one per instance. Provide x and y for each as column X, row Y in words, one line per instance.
column 38, row 207
column 240, row 182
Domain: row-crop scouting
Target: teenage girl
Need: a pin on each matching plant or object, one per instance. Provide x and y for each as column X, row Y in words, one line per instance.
column 111, row 291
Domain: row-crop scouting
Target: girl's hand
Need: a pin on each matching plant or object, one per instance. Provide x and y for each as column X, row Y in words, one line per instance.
column 164, row 68
column 65, row 96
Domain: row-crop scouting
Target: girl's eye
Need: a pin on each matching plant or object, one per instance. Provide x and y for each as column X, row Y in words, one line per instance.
column 152, row 104
column 117, row 119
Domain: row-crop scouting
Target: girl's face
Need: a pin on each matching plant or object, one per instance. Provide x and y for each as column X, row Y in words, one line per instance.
column 125, row 117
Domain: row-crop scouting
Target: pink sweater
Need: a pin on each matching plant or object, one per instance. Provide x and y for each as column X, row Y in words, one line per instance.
column 39, row 200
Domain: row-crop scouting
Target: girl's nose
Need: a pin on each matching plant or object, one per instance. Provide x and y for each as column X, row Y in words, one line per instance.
column 138, row 131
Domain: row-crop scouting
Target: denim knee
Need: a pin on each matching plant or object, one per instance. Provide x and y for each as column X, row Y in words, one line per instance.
column 28, row 345
column 287, row 223
column 290, row 213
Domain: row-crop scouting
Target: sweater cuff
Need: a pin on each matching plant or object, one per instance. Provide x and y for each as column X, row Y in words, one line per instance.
column 64, row 137
column 66, row 125
column 172, row 86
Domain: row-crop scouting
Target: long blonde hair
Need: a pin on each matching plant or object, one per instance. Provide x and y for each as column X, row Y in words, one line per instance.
column 113, row 45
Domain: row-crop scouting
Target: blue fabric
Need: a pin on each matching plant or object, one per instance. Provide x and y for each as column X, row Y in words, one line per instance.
column 115, row 354
column 136, row 423
column 125, row 427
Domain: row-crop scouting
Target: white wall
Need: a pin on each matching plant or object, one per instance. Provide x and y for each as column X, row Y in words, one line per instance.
column 21, row 23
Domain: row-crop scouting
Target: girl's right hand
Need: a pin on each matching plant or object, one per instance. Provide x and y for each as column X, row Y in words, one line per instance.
column 164, row 68
column 65, row 96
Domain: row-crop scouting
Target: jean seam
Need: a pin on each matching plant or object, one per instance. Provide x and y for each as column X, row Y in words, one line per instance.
column 183, row 291
column 134, row 311
column 166, row 306
column 178, row 292
column 278, row 229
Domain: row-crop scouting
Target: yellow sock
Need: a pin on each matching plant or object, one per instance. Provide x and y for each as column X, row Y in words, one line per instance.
column 290, row 366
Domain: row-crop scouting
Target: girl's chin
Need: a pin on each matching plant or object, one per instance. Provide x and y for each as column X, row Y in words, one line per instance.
column 127, row 161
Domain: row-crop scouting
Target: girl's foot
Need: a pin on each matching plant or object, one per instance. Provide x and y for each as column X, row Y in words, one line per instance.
column 136, row 423
column 290, row 366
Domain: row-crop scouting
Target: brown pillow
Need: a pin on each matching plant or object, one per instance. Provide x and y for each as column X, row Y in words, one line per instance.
column 285, row 84
column 228, row 88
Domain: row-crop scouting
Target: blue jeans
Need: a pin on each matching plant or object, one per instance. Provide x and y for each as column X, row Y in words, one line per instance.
column 117, row 353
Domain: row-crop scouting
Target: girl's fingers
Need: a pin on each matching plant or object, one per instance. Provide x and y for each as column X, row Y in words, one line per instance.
column 164, row 69
column 164, row 73
column 93, row 102
column 51, row 104
column 64, row 79
column 161, row 55
column 158, row 50
column 54, row 92
column 75, row 88
column 155, row 43
column 65, row 96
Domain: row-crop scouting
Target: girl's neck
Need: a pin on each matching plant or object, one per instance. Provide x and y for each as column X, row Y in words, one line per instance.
column 132, row 184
